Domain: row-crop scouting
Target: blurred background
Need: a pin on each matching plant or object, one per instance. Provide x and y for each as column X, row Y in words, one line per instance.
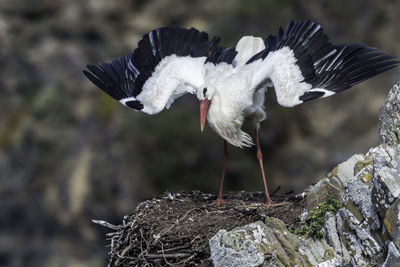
column 69, row 153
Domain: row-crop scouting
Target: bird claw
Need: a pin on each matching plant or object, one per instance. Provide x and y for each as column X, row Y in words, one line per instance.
column 219, row 202
column 269, row 203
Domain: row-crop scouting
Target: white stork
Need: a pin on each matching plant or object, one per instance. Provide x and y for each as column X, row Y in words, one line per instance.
column 299, row 62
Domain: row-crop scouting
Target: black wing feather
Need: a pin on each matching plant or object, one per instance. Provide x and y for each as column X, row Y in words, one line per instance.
column 222, row 54
column 352, row 64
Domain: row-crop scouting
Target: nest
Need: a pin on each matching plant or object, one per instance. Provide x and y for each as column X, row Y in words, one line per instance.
column 174, row 229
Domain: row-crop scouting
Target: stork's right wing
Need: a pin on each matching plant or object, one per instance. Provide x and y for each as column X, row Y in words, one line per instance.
column 168, row 63
column 302, row 64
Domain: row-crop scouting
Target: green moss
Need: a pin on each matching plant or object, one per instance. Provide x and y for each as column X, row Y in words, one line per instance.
column 315, row 220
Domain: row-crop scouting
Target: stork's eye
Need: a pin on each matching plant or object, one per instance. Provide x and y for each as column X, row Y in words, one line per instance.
column 204, row 92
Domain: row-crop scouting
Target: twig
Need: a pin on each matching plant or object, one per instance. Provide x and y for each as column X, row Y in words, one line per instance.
column 162, row 251
column 252, row 206
column 107, row 224
column 167, row 256
column 141, row 247
column 216, row 211
column 175, row 248
column 114, row 233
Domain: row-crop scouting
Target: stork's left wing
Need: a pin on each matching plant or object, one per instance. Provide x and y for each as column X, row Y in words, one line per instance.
column 302, row 65
column 168, row 63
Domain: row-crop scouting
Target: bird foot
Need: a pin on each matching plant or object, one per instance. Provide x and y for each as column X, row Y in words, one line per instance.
column 269, row 203
column 219, row 201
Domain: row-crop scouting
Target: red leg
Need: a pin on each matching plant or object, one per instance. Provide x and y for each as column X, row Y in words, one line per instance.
column 219, row 199
column 269, row 202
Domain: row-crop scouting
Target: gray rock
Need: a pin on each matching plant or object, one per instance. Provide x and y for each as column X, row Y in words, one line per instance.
column 317, row 251
column 347, row 225
column 268, row 244
column 365, row 173
column 386, row 185
column 389, row 118
column 393, row 257
column 334, row 183
column 364, row 168
column 358, row 201
column 329, row 185
column 330, row 233
column 345, row 170
column 392, row 222
column 329, row 263
column 355, row 236
column 239, row 247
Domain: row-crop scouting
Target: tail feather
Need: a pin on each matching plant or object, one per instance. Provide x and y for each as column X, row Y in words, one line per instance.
column 247, row 47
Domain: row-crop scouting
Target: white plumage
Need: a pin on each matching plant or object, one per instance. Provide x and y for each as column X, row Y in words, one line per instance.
column 281, row 68
column 246, row 48
column 299, row 62
column 173, row 77
column 231, row 96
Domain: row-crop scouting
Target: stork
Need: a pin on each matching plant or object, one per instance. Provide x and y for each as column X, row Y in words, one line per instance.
column 299, row 63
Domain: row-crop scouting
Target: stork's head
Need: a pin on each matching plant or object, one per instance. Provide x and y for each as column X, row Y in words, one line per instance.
column 205, row 96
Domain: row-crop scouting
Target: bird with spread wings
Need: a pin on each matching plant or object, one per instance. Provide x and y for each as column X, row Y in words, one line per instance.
column 299, row 62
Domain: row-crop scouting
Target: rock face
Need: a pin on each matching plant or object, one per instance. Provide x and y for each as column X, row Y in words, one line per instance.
column 389, row 118
column 365, row 232
column 270, row 244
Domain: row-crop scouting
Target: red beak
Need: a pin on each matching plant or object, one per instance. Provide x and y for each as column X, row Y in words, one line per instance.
column 204, row 104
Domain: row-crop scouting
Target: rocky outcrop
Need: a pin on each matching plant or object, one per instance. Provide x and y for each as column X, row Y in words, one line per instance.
column 365, row 232
column 389, row 118
column 269, row 244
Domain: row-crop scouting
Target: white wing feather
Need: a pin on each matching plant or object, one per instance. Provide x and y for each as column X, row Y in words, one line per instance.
column 173, row 77
column 281, row 68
